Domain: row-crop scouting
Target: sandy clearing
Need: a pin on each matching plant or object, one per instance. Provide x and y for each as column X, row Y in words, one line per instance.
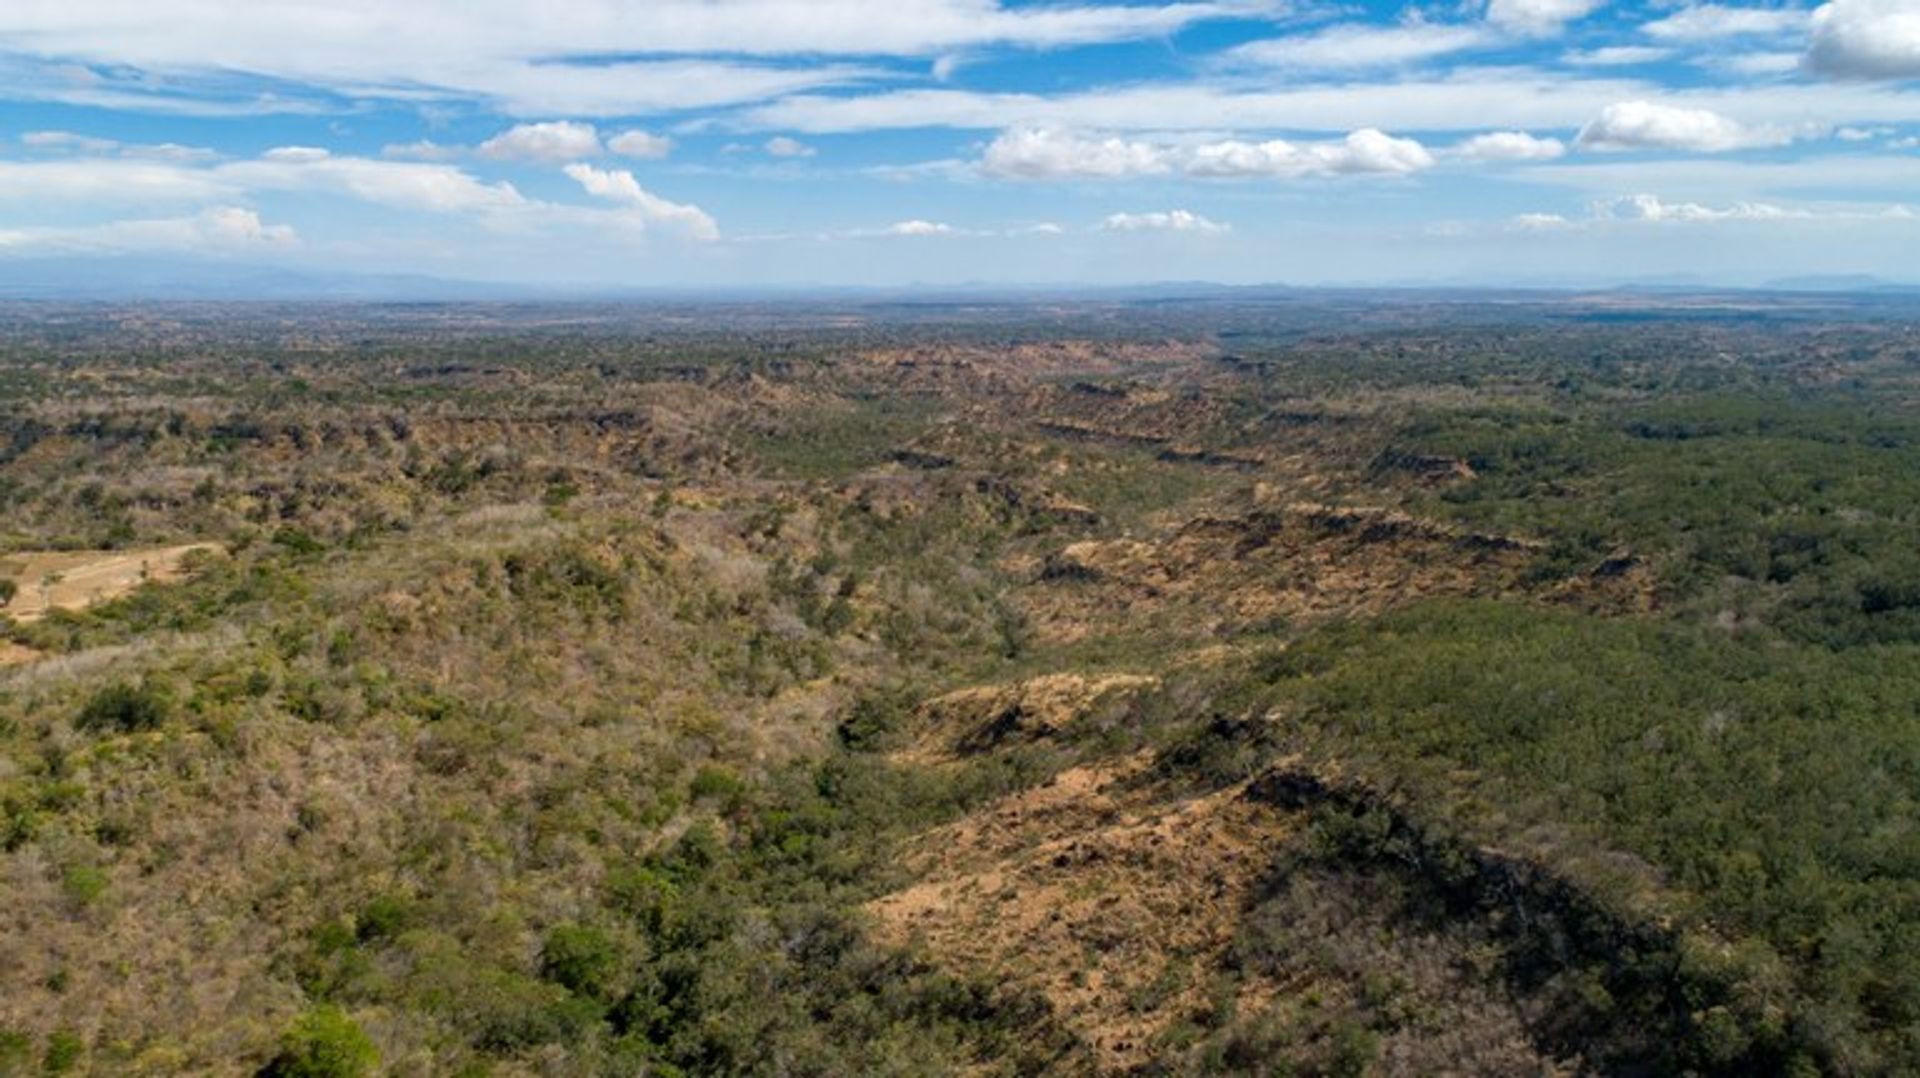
column 76, row 579
column 12, row 654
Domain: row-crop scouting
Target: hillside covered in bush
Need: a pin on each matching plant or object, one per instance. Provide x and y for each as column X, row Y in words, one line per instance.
column 1321, row 685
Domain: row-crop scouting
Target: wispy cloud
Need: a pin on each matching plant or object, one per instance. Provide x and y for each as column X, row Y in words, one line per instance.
column 434, row 188
column 614, row 131
column 549, row 58
column 1359, row 46
column 68, row 142
column 1473, row 100
column 1617, row 56
column 220, row 230
column 1709, row 22
column 1654, row 210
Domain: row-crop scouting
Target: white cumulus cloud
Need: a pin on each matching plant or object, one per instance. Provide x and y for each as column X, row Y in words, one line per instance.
column 647, row 209
column 1539, row 16
column 1168, row 221
column 641, row 145
column 1648, row 125
column 919, row 228
column 1051, row 153
column 782, row 146
column 1362, row 152
column 1866, row 39
column 554, row 141
column 1046, row 153
column 234, row 226
column 1651, row 208
column 1510, row 146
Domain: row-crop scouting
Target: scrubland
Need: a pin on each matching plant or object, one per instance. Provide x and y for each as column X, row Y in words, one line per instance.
column 1338, row 687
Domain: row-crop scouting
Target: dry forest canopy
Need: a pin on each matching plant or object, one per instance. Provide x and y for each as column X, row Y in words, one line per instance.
column 1239, row 684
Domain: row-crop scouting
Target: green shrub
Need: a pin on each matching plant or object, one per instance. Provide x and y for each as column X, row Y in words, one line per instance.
column 385, row 917
column 647, row 895
column 298, row 542
column 123, row 707
column 718, row 783
column 64, row 1049
column 583, row 960
column 325, row 1042
column 15, row 1047
column 519, row 1013
column 83, row 883
column 874, row 721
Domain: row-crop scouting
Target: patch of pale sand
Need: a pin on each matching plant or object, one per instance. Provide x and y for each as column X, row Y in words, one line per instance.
column 76, row 579
column 1109, row 900
column 12, row 654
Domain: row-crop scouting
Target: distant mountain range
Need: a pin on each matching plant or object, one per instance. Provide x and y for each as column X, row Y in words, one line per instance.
column 124, row 278
column 1852, row 282
column 127, row 278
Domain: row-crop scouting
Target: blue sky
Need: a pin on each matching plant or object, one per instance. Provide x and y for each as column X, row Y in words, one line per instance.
column 739, row 143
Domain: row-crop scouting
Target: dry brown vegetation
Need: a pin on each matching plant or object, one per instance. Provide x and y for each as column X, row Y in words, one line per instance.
column 1293, row 689
column 1272, row 565
column 1116, row 904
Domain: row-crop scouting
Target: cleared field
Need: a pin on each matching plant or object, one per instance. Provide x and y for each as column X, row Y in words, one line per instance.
column 76, row 579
